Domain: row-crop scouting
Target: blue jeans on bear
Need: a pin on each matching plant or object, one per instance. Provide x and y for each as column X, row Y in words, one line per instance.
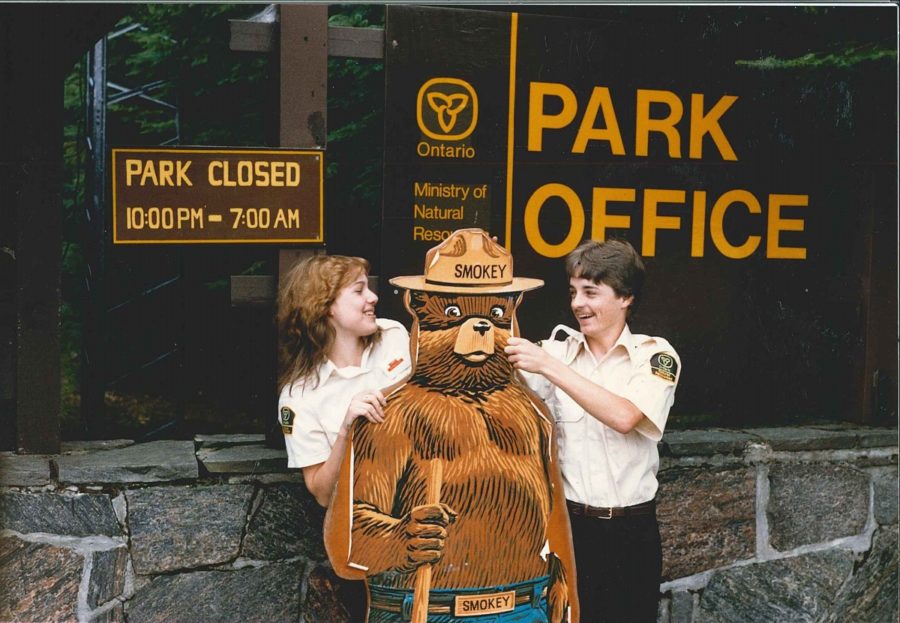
column 394, row 605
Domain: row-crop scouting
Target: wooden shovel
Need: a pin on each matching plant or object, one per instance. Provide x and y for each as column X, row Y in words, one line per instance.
column 423, row 573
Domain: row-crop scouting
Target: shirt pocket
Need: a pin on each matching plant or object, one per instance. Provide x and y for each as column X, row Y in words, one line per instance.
column 569, row 417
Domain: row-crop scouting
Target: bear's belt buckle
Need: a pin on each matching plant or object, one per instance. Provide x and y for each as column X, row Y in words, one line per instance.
column 488, row 603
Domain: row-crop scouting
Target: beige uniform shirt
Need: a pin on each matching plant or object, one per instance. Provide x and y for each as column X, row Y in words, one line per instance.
column 311, row 417
column 602, row 467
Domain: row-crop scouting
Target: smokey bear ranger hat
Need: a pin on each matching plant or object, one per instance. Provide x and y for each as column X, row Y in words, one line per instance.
column 468, row 262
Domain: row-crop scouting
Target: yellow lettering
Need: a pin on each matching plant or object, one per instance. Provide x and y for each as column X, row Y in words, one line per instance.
column 666, row 126
column 776, row 225
column 215, row 164
column 717, row 220
column 587, row 132
column 181, row 174
column 601, row 220
column 652, row 220
column 244, row 173
column 260, row 173
column 149, row 172
column 709, row 124
column 532, row 224
column 132, row 168
column 292, row 174
column 538, row 121
column 421, row 233
column 166, row 169
column 698, row 226
column 277, row 171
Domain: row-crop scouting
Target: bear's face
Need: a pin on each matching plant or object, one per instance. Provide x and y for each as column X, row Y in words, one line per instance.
column 461, row 339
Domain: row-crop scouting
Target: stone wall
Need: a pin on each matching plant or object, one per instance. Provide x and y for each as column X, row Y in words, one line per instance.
column 786, row 524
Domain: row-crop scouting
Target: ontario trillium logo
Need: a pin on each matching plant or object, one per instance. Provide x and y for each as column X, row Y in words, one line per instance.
column 447, row 109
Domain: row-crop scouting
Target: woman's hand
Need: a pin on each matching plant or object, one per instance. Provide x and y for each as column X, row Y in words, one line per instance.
column 368, row 404
column 527, row 356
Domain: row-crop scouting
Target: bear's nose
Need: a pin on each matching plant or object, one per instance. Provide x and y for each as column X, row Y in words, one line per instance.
column 482, row 327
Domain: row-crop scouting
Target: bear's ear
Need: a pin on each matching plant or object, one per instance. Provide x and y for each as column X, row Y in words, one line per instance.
column 416, row 300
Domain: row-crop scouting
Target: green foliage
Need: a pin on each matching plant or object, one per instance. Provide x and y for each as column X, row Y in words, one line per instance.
column 223, row 96
column 846, row 57
column 355, row 142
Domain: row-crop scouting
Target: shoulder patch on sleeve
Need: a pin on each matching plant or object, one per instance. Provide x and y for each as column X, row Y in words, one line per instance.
column 664, row 366
column 287, row 420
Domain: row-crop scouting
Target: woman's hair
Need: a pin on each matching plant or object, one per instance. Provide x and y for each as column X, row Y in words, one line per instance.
column 614, row 263
column 305, row 297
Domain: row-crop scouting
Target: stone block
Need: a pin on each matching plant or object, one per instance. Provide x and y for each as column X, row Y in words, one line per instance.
column 292, row 476
column 116, row 614
column 85, row 447
column 157, row 461
column 886, row 486
column 329, row 598
column 107, row 575
column 223, row 441
column 791, row 590
column 876, row 460
column 706, row 518
column 815, row 503
column 184, row 527
column 24, row 470
column 269, row 594
column 682, row 608
column 796, row 438
column 871, row 594
column 288, row 523
column 39, row 582
column 706, row 442
column 243, row 459
column 877, row 437
column 79, row 514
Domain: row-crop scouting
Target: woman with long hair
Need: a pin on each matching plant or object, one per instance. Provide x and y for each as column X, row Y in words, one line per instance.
column 334, row 357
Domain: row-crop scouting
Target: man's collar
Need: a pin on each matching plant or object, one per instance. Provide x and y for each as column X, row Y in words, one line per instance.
column 625, row 340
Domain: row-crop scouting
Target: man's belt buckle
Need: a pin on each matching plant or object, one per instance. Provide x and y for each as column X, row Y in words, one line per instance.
column 490, row 603
column 604, row 513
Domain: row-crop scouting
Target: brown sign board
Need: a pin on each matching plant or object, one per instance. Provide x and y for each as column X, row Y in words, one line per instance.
column 198, row 195
column 759, row 185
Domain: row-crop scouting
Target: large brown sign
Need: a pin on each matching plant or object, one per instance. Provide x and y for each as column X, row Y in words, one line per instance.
column 193, row 195
column 758, row 184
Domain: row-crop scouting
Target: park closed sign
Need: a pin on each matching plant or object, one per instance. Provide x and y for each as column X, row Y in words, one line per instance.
column 200, row 195
column 747, row 156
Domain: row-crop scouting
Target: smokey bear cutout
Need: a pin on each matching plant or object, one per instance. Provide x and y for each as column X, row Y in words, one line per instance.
column 452, row 508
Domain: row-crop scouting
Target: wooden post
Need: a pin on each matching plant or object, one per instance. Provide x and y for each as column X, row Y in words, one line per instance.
column 304, row 83
column 33, row 248
column 303, row 62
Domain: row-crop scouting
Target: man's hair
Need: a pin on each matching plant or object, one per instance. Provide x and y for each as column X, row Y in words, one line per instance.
column 614, row 263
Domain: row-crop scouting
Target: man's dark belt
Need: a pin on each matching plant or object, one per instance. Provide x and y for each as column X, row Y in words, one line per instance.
column 442, row 601
column 616, row 512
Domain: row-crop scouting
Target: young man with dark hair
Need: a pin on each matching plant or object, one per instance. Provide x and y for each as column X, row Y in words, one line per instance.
column 610, row 391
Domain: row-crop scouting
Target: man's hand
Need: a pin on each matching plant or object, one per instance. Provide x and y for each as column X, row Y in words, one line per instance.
column 527, row 356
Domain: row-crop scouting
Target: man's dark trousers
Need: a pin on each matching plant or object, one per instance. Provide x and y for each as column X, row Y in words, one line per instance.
column 618, row 562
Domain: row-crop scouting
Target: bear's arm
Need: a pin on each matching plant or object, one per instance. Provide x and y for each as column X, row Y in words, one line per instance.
column 382, row 453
